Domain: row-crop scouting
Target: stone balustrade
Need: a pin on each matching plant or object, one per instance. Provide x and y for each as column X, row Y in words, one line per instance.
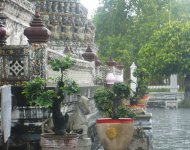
column 154, row 96
column 24, row 4
column 160, row 87
column 29, row 114
column 164, row 99
column 118, row 71
column 18, row 10
column 83, row 71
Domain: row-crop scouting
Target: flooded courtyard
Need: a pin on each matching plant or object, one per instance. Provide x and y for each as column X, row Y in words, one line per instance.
column 171, row 129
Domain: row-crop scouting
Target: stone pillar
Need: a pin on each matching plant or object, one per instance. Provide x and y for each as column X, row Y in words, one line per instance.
column 6, row 105
column 98, row 77
column 38, row 36
column 173, row 83
column 133, row 79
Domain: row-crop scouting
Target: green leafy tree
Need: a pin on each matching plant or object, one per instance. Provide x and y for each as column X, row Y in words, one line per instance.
column 168, row 52
column 123, row 27
column 110, row 21
column 180, row 10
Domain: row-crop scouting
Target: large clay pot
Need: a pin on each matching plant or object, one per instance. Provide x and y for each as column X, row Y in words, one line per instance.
column 115, row 134
column 59, row 142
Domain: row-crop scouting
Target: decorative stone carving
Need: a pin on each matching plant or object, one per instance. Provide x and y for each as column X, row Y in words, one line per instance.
column 68, row 50
column 66, row 19
column 32, row 62
column 79, row 120
column 55, row 7
column 14, row 64
column 78, row 34
column 19, row 13
column 43, row 6
column 49, row 7
column 3, row 34
column 24, row 4
column 73, row 7
column 61, row 7
column 67, row 7
column 38, row 60
column 77, row 8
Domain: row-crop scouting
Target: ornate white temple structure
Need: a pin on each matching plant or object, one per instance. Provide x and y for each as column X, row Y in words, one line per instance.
column 31, row 33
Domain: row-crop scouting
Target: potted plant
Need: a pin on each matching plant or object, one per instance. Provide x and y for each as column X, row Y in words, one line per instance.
column 138, row 101
column 38, row 94
column 116, row 130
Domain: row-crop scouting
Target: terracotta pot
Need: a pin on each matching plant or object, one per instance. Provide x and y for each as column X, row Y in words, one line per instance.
column 144, row 100
column 115, row 134
column 59, row 142
column 138, row 108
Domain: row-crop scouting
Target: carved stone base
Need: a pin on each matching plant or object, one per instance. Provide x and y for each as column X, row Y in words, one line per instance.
column 59, row 142
column 84, row 144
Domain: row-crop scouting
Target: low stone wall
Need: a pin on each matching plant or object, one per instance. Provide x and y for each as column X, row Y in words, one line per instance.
column 160, row 99
column 143, row 136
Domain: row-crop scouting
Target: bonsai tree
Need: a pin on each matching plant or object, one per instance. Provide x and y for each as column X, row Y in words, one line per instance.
column 142, row 76
column 109, row 101
column 38, row 94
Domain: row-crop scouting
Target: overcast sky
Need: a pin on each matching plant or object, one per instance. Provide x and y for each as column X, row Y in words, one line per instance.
column 91, row 5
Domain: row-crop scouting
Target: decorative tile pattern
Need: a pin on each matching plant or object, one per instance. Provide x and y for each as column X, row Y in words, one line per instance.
column 16, row 68
column 38, row 60
column 14, row 64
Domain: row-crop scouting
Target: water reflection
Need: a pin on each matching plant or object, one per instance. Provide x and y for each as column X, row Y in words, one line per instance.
column 171, row 129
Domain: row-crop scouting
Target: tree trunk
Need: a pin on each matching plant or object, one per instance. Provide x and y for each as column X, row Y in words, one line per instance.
column 60, row 121
column 187, row 88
